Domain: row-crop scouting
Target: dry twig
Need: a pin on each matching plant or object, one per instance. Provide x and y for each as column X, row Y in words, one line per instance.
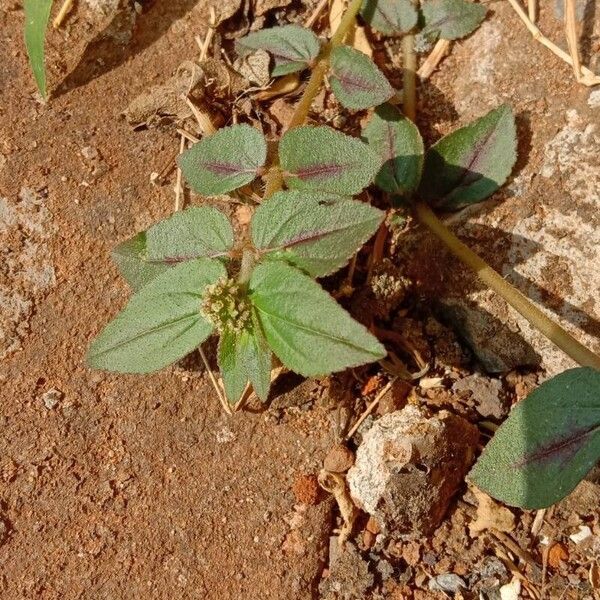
column 370, row 408
column 433, row 60
column 178, row 186
column 312, row 19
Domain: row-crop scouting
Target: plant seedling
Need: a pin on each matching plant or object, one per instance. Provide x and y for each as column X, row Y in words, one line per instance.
column 259, row 295
column 37, row 13
column 191, row 278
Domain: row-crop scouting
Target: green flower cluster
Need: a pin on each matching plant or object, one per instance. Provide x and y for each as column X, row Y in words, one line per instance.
column 226, row 306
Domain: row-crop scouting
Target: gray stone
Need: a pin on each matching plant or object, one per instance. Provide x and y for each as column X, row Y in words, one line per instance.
column 408, row 467
column 447, row 582
column 498, row 348
column 487, row 394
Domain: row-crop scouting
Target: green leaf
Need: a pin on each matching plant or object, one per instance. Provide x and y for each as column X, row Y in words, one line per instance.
column 391, row 17
column 131, row 258
column 316, row 232
column 224, row 161
column 160, row 324
column 548, row 444
column 243, row 358
column 192, row 233
column 398, row 142
column 37, row 13
column 293, row 48
column 324, row 160
column 451, row 19
column 308, row 331
column 471, row 163
column 356, row 81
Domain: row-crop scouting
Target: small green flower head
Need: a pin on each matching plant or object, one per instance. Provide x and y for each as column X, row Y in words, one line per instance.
column 226, row 306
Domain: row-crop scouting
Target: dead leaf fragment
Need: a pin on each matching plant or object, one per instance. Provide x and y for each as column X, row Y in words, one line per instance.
column 255, row 67
column 335, row 484
column 280, row 87
column 490, row 515
column 165, row 100
column 557, row 554
column 336, row 10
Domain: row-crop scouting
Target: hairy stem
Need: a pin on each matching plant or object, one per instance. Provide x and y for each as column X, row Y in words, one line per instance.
column 554, row 332
column 246, row 267
column 409, row 77
column 273, row 181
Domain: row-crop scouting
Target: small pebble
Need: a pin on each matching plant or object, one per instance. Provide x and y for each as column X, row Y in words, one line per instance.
column 339, row 459
column 448, row 582
column 51, row 398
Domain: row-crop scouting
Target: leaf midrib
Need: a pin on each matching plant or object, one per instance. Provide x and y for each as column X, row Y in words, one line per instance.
column 313, row 331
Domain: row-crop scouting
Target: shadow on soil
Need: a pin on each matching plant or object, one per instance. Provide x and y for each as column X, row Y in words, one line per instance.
column 104, row 52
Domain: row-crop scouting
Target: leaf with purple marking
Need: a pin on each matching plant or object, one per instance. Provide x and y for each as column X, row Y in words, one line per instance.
column 316, row 232
column 398, row 142
column 224, row 161
column 305, row 327
column 356, row 80
column 292, row 47
column 192, row 233
column 471, row 163
column 391, row 17
column 451, row 19
column 548, row 444
column 324, row 160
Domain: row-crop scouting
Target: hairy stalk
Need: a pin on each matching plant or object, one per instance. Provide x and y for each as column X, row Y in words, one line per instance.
column 554, row 332
column 248, row 261
column 273, row 181
column 409, row 76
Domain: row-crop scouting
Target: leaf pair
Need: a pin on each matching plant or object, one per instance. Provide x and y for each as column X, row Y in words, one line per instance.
column 355, row 79
column 177, row 264
column 448, row 19
column 198, row 232
column 548, row 444
column 312, row 159
column 462, row 168
column 292, row 47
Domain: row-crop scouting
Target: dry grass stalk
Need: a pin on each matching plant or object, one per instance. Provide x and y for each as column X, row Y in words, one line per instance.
column 312, row 19
column 571, row 32
column 433, row 60
column 212, row 23
column 204, row 121
column 178, row 186
column 215, row 383
column 587, row 77
column 64, row 10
